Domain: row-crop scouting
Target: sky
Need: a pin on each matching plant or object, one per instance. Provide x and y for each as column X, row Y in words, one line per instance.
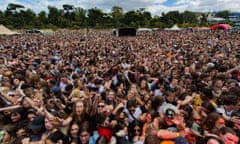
column 156, row 7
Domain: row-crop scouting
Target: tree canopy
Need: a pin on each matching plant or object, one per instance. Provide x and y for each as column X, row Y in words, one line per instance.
column 17, row 17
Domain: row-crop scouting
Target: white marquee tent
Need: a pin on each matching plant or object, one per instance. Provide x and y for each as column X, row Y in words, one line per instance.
column 175, row 28
column 6, row 31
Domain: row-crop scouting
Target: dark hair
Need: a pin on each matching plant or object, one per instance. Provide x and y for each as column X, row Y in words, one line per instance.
column 85, row 126
column 131, row 103
column 75, row 83
column 56, row 136
column 20, row 111
column 19, row 139
column 69, row 128
column 101, row 118
column 226, row 130
column 207, row 92
column 156, row 101
column 20, row 125
column 209, row 106
column 207, row 138
column 131, row 127
column 187, row 108
column 209, row 122
column 230, row 100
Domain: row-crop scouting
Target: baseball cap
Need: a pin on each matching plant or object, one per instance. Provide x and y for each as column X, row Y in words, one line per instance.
column 196, row 129
column 37, row 123
column 170, row 110
column 169, row 113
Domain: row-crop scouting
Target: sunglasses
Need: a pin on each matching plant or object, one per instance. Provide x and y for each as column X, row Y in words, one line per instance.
column 137, row 130
column 132, row 110
column 198, row 120
column 14, row 114
column 101, row 106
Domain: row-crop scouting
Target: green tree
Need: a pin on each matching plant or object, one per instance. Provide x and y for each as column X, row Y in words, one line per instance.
column 130, row 19
column 28, row 18
column 223, row 14
column 143, row 18
column 156, row 22
column 69, row 17
column 117, row 15
column 171, row 18
column 55, row 17
column 13, row 17
column 80, row 17
column 41, row 20
column 95, row 17
column 189, row 17
column 14, row 7
column 203, row 20
column 68, row 12
column 2, row 17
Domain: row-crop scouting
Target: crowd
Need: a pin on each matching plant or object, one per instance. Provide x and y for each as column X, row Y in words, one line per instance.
column 159, row 87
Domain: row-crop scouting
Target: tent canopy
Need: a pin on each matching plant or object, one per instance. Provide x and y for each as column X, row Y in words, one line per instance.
column 221, row 26
column 5, row 31
column 144, row 29
column 174, row 28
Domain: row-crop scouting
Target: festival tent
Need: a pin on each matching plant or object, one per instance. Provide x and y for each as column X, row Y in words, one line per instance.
column 221, row 26
column 174, row 28
column 5, row 31
column 124, row 32
column 144, row 29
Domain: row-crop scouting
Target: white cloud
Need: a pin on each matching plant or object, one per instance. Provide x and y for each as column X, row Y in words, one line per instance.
column 156, row 7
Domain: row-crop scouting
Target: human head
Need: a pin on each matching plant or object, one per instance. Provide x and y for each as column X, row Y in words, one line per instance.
column 131, row 106
column 79, row 108
column 48, row 125
column 214, row 122
column 73, row 129
column 194, row 133
column 169, row 113
column 110, row 95
column 135, row 129
column 228, row 136
column 84, row 132
column 56, row 137
column 37, row 125
column 101, row 106
column 17, row 115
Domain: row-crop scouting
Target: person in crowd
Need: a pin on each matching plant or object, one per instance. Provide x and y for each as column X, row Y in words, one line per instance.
column 84, row 133
column 184, row 86
column 72, row 132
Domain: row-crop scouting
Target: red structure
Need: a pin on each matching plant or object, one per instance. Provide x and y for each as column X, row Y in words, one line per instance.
column 221, row 26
